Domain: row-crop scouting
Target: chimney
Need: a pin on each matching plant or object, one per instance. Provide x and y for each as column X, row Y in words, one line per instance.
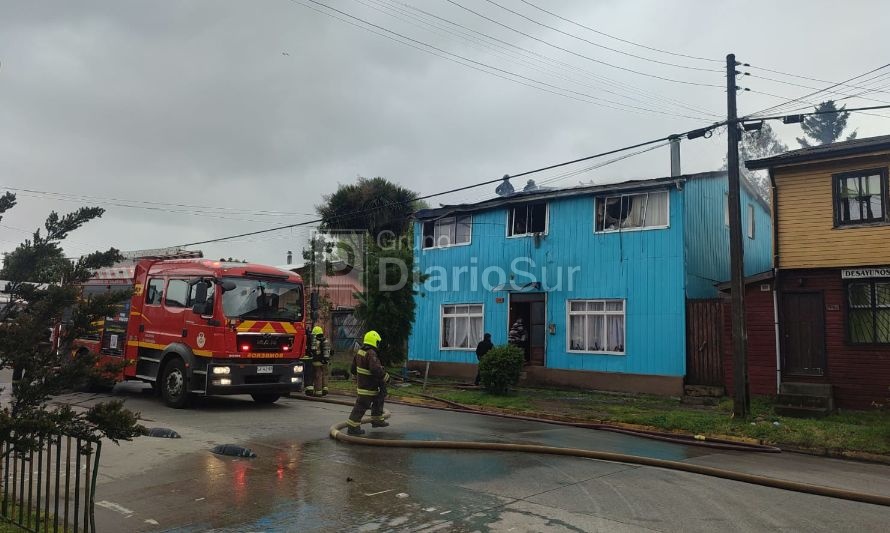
column 675, row 156
column 290, row 257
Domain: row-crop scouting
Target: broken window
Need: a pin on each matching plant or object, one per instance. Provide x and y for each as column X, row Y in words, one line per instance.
column 632, row 211
column 596, row 326
column 448, row 231
column 860, row 197
column 868, row 317
column 527, row 219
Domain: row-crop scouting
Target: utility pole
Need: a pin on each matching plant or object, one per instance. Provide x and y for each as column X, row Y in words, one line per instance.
column 741, row 402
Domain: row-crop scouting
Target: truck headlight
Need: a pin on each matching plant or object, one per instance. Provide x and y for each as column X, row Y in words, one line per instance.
column 298, row 369
column 222, row 370
column 222, row 381
column 295, row 380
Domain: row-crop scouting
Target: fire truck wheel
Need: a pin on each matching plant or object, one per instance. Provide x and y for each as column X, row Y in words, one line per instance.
column 174, row 386
column 265, row 398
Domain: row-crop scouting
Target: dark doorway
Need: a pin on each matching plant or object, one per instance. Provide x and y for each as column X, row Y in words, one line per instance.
column 803, row 328
column 531, row 310
column 704, row 362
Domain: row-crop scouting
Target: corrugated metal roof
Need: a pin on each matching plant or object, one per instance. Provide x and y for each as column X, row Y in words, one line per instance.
column 825, row 151
column 547, row 194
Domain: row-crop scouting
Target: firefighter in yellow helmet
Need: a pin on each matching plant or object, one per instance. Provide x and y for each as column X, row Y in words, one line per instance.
column 321, row 358
column 307, row 359
column 371, row 379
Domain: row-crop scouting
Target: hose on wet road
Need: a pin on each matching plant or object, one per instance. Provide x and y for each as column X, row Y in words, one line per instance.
column 336, row 433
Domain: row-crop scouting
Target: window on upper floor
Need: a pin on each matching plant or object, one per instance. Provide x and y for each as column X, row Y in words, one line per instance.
column 868, row 313
column 448, row 231
column 527, row 219
column 860, row 197
column 632, row 211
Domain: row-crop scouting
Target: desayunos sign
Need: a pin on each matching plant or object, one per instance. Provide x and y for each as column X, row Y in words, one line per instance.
column 859, row 273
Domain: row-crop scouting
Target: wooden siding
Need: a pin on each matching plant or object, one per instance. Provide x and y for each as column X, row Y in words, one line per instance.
column 644, row 268
column 761, row 341
column 807, row 237
column 859, row 374
column 707, row 236
column 703, row 352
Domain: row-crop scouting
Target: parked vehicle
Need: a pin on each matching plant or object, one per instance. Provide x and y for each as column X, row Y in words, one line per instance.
column 201, row 327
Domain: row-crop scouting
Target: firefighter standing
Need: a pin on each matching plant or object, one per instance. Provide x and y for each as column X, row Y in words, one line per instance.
column 321, row 358
column 371, row 379
column 308, row 369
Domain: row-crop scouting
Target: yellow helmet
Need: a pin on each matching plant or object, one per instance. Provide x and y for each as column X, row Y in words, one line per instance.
column 317, row 330
column 372, row 338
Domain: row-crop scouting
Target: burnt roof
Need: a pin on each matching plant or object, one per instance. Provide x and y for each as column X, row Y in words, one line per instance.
column 825, row 151
column 551, row 193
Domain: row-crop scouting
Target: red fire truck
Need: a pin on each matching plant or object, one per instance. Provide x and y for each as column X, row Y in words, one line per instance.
column 200, row 327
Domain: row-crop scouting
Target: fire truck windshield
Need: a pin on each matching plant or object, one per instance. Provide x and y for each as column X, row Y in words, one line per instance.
column 263, row 300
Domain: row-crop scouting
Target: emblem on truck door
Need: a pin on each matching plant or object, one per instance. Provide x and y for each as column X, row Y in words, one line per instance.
column 201, row 340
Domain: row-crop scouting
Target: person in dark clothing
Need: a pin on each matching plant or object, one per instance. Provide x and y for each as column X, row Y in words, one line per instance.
column 481, row 349
column 371, row 380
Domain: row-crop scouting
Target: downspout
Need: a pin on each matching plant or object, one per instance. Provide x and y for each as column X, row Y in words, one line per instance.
column 775, row 218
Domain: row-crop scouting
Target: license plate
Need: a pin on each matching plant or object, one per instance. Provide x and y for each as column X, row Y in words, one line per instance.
column 265, row 369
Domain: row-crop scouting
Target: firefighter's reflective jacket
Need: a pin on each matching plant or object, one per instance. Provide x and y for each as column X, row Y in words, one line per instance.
column 370, row 374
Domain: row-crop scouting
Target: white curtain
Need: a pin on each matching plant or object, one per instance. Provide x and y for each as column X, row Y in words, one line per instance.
column 636, row 212
column 444, row 232
column 461, row 332
column 475, row 331
column 616, row 334
column 576, row 332
column 657, row 209
column 595, row 333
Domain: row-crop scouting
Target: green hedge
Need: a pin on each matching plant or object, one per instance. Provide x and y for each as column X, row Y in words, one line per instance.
column 500, row 368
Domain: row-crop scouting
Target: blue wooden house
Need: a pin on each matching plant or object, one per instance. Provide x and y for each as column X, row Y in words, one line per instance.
column 593, row 281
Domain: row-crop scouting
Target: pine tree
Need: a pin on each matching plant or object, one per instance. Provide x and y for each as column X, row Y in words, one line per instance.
column 756, row 145
column 43, row 290
column 826, row 127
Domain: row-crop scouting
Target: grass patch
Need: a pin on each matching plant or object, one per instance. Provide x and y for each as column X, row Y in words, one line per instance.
column 844, row 431
column 8, row 525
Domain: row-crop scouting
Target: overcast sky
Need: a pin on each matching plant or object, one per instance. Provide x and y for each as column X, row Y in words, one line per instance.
column 259, row 107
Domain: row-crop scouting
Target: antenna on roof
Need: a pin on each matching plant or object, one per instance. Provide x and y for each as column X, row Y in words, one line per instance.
column 505, row 188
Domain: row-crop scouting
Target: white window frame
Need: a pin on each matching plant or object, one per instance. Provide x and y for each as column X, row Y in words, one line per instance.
column 604, row 313
column 440, row 222
column 605, row 197
column 751, row 227
column 469, row 315
column 509, row 226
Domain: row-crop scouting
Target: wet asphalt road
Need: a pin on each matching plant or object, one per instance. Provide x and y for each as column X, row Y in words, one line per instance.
column 304, row 481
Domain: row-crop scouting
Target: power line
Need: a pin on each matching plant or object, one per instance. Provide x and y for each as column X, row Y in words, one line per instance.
column 520, row 32
column 529, row 82
column 619, row 38
column 552, row 28
column 811, row 87
column 450, row 191
column 800, row 77
column 550, row 66
column 776, row 107
column 553, row 61
column 813, row 103
column 853, row 110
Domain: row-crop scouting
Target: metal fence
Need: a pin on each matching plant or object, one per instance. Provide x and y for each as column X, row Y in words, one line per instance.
column 51, row 489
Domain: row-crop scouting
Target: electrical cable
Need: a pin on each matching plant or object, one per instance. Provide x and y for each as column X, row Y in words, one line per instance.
column 552, row 28
column 550, row 60
column 551, row 66
column 799, row 76
column 660, row 50
column 547, row 43
column 813, row 88
column 528, row 81
column 779, row 106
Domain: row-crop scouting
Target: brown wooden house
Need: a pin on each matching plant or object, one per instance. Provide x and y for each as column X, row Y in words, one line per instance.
column 832, row 256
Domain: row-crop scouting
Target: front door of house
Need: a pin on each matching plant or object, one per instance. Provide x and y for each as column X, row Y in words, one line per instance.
column 803, row 328
column 528, row 318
